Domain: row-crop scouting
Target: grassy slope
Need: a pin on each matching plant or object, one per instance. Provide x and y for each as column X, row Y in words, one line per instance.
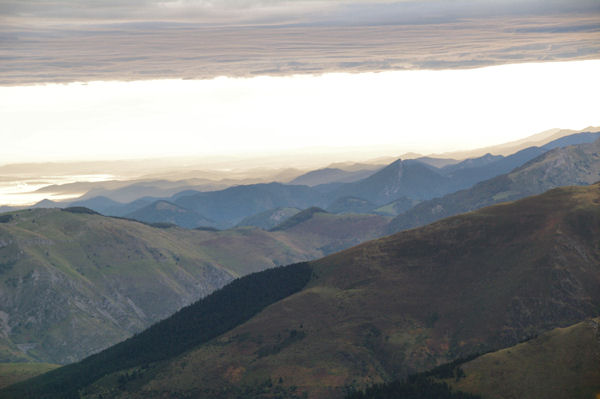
column 407, row 302
column 563, row 363
column 11, row 373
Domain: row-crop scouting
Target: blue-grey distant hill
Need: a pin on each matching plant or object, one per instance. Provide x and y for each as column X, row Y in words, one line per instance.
column 268, row 219
column 471, row 171
column 407, row 181
column 572, row 165
column 167, row 212
column 109, row 207
column 228, row 207
column 332, row 175
column 351, row 205
column 418, row 180
column 100, row 204
column 399, row 179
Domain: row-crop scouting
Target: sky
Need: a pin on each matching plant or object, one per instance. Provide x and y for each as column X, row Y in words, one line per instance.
column 98, row 80
column 379, row 114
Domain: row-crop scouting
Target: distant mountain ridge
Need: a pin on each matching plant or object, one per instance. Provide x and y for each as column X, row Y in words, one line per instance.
column 399, row 179
column 168, row 212
column 411, row 180
column 323, row 233
column 577, row 164
column 331, row 175
column 230, row 206
column 314, row 232
column 536, row 140
column 418, row 180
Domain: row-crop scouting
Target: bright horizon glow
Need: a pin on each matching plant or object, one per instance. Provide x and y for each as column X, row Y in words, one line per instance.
column 386, row 113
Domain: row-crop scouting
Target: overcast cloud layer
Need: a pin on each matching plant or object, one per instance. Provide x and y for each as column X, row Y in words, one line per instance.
column 64, row 41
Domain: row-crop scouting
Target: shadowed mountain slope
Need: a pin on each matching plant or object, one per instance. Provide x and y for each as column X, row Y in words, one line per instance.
column 400, row 304
column 572, row 165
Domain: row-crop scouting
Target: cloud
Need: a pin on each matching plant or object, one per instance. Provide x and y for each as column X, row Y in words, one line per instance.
column 280, row 11
column 83, row 40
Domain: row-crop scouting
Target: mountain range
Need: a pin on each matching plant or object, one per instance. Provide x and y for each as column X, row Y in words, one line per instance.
column 75, row 282
column 304, row 235
column 384, row 309
column 577, row 164
column 410, row 181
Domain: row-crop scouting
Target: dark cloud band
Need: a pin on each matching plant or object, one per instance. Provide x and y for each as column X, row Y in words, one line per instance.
column 352, row 37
